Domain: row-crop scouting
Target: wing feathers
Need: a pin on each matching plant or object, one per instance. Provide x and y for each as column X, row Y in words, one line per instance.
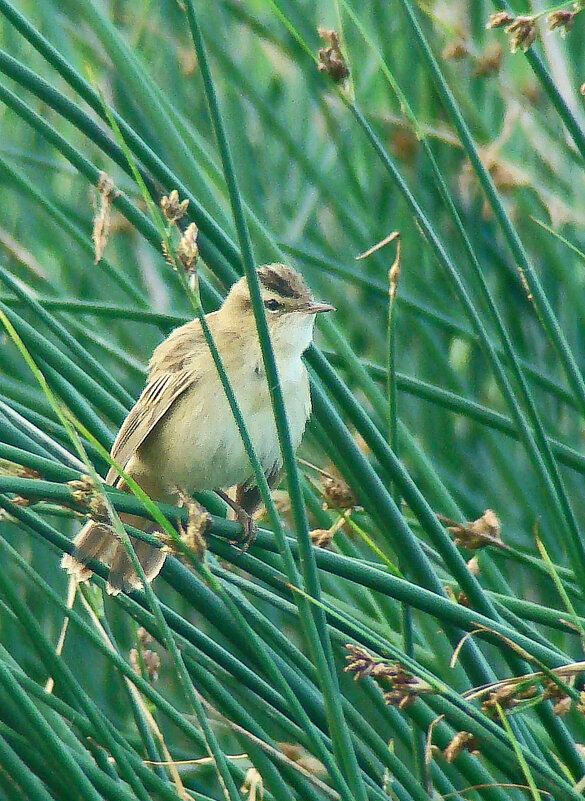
column 171, row 373
column 156, row 399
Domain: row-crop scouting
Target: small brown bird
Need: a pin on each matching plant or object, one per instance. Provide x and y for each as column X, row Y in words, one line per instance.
column 181, row 436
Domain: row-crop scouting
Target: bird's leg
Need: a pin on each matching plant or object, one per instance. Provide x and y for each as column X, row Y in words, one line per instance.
column 244, row 518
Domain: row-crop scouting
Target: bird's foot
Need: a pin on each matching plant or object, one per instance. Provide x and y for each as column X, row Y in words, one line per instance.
column 244, row 519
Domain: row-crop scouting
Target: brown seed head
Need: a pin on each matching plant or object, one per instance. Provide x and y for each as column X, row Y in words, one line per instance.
column 299, row 755
column 144, row 637
column 85, row 492
column 499, row 19
column 337, row 493
column 321, row 537
column 473, row 566
column 486, row 530
column 563, row 706
column 331, row 60
column 507, row 697
column 13, row 469
column 188, row 250
column 20, row 500
column 405, row 687
column 172, row 207
column 150, row 661
column 193, row 535
column 101, row 224
column 463, row 741
column 455, row 51
column 490, row 60
column 561, row 19
column 522, row 33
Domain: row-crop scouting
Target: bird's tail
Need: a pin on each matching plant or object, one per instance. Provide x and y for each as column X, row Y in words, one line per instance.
column 97, row 540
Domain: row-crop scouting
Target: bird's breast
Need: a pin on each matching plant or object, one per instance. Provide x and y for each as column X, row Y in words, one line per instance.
column 198, row 446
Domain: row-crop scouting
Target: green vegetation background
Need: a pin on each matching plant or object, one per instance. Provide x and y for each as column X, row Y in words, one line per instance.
column 468, row 396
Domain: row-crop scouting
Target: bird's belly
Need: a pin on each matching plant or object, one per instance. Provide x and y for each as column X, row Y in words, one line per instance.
column 199, row 447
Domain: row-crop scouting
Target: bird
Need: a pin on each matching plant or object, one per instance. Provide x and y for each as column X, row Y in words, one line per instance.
column 181, row 436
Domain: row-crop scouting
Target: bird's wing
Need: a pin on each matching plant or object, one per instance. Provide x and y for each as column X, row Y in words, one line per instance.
column 158, row 396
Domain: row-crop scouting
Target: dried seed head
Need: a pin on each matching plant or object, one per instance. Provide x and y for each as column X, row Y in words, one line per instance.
column 486, row 530
column 321, row 537
column 188, row 251
column 405, row 686
column 463, row 741
column 331, row 60
column 13, row 469
column 395, row 269
column 522, row 33
column 20, row 500
column 455, row 51
column 473, row 566
column 563, row 706
column 193, row 535
column 360, row 662
column 150, row 662
column 299, row 755
column 172, row 207
column 337, row 493
column 552, row 689
column 561, row 19
column 489, row 60
column 101, row 224
column 85, row 492
column 508, row 696
column 144, row 637
column 83, row 486
column 253, row 785
column 499, row 19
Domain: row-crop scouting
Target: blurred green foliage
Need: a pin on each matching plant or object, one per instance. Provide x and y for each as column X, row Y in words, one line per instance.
column 481, row 176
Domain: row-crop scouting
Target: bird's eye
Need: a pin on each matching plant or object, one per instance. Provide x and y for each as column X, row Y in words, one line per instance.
column 272, row 305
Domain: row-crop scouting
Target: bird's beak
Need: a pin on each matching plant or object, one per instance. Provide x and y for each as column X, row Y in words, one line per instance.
column 318, row 308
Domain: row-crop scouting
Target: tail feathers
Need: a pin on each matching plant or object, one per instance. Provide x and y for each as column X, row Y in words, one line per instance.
column 97, row 541
column 94, row 541
column 122, row 574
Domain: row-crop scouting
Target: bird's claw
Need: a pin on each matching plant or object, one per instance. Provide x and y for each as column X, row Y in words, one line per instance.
column 249, row 529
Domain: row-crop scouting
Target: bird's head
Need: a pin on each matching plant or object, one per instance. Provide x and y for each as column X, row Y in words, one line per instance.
column 288, row 302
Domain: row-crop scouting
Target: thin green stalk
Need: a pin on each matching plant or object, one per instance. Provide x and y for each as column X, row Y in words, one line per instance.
column 144, row 687
column 91, row 364
column 215, row 751
column 259, row 475
column 418, row 743
column 64, row 222
column 555, row 96
column 21, row 775
column 534, row 791
column 47, row 741
column 314, row 625
column 205, row 221
column 544, row 311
